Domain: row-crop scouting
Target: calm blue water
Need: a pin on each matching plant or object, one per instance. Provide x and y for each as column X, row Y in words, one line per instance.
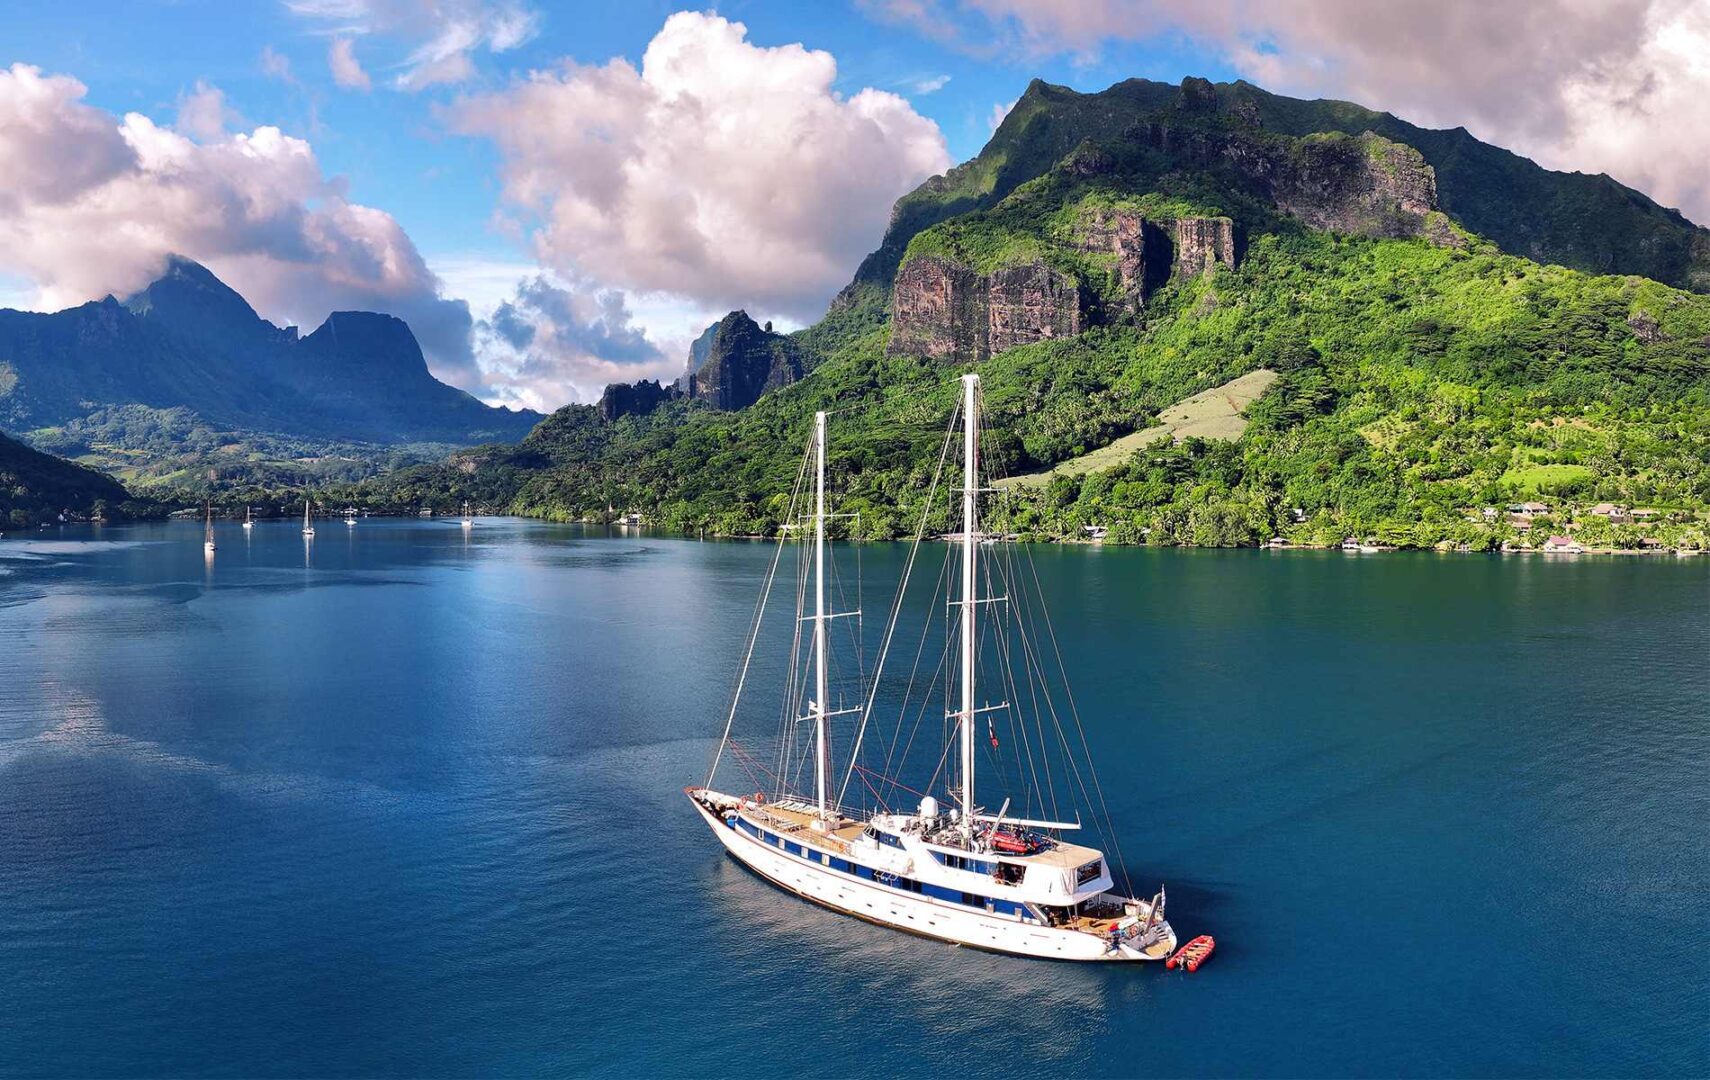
column 410, row 804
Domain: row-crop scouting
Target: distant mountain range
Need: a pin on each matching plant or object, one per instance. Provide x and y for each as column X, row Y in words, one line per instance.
column 188, row 352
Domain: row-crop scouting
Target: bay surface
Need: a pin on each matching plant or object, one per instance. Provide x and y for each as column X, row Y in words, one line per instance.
column 408, row 802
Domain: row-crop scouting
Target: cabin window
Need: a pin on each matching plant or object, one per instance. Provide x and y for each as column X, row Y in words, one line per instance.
column 1010, row 873
column 1089, row 872
column 962, row 862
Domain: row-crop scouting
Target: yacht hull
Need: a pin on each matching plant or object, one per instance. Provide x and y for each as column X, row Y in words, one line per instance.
column 919, row 915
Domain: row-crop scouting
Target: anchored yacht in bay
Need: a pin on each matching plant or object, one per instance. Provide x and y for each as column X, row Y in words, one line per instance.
column 1004, row 880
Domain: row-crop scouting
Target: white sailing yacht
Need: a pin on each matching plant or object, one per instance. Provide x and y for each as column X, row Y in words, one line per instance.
column 997, row 881
column 308, row 526
column 208, row 531
column 248, row 517
column 468, row 522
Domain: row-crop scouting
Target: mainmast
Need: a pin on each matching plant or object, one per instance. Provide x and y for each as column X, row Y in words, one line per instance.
column 821, row 749
column 970, row 553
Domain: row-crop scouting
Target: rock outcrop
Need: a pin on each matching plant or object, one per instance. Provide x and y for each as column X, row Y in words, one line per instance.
column 699, row 350
column 1203, row 244
column 945, row 310
column 633, row 399
column 1364, row 185
column 1142, row 251
column 744, row 361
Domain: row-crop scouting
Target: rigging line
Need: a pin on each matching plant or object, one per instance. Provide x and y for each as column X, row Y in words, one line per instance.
column 753, row 637
column 914, row 671
column 896, row 611
column 1033, row 691
column 889, row 780
column 1106, row 823
column 1018, row 721
column 1040, row 677
column 786, row 730
column 920, row 715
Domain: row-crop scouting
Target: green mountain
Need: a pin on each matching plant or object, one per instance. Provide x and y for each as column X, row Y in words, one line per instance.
column 1580, row 221
column 1192, row 327
column 38, row 487
column 185, row 375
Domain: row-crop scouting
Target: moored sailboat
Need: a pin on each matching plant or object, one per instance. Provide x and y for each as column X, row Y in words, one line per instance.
column 308, row 525
column 999, row 881
column 208, row 531
column 248, row 518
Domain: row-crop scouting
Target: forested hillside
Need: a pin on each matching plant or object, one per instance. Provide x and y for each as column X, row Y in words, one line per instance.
column 1424, row 373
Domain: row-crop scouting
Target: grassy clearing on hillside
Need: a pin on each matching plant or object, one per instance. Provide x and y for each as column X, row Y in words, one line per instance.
column 1217, row 414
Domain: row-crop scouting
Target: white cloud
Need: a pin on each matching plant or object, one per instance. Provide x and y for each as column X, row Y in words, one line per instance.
column 930, row 86
column 441, row 34
column 999, row 111
column 722, row 172
column 276, row 65
column 346, row 69
column 203, row 113
column 93, row 204
column 1616, row 86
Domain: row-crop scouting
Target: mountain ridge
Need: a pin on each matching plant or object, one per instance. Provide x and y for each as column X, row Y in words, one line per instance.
column 1635, row 235
column 187, row 341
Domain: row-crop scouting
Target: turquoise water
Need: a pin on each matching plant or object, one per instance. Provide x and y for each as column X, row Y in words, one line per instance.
column 409, row 803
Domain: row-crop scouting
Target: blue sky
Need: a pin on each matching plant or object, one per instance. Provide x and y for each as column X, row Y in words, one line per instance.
column 145, row 57
column 610, row 177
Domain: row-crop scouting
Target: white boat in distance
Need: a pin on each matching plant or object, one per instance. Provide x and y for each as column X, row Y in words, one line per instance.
column 308, row 526
column 248, row 517
column 998, row 881
column 208, row 531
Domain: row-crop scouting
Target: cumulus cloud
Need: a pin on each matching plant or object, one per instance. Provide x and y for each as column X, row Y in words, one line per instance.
column 1616, row 86
column 441, row 34
column 550, row 343
column 346, row 69
column 721, row 171
column 204, row 114
column 999, row 111
column 93, row 204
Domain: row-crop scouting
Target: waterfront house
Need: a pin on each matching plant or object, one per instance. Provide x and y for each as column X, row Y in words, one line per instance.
column 1562, row 545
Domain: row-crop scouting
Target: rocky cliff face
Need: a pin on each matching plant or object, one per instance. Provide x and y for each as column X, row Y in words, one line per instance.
column 633, row 399
column 1363, row 185
column 1203, row 244
column 744, row 361
column 944, row 310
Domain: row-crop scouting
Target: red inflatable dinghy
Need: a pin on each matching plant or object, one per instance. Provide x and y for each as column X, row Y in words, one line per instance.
column 1193, row 954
